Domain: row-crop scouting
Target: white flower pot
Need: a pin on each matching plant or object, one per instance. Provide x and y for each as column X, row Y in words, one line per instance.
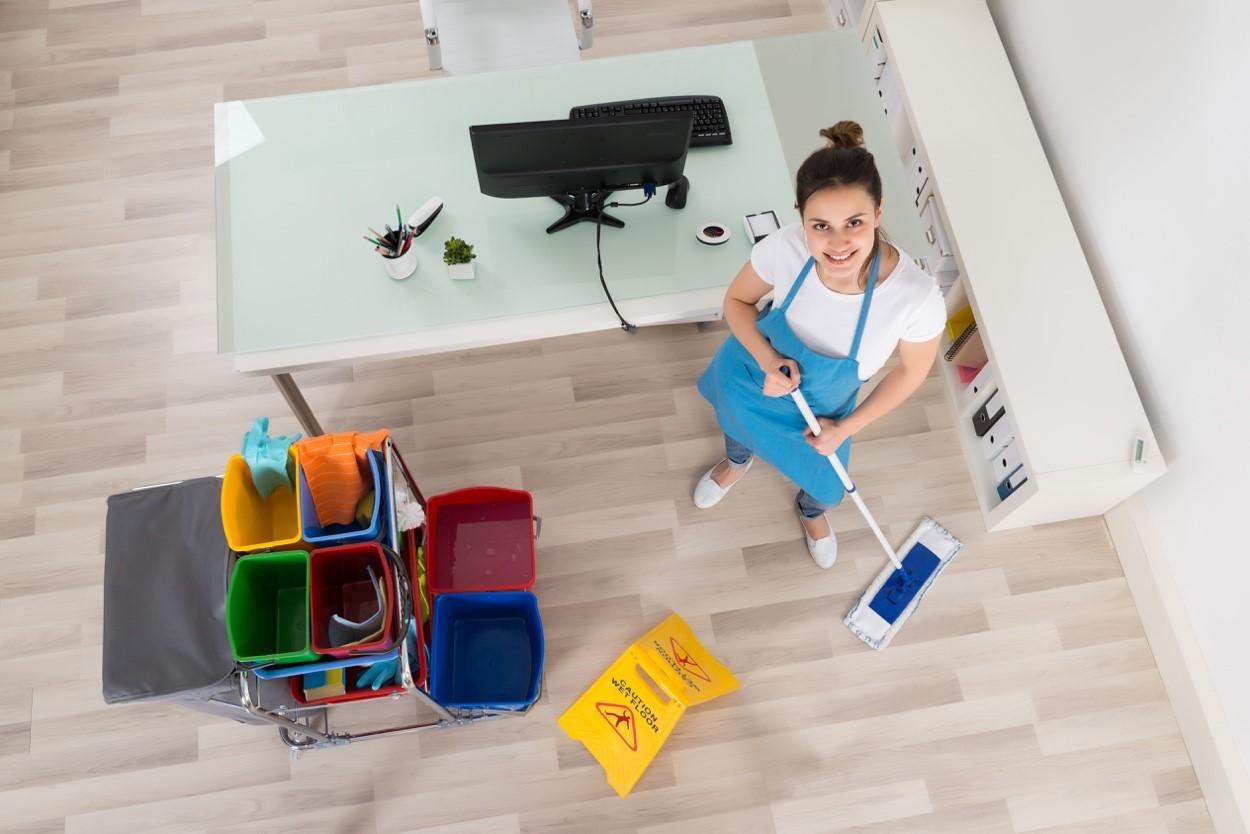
column 460, row 272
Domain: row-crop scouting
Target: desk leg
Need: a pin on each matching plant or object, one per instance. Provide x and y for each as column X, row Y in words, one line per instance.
column 295, row 399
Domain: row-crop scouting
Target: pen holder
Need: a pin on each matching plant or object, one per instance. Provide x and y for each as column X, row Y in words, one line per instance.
column 401, row 266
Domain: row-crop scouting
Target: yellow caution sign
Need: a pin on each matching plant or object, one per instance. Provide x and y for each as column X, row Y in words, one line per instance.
column 628, row 713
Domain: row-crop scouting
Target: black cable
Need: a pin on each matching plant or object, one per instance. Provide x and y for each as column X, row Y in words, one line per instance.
column 626, row 326
column 639, row 203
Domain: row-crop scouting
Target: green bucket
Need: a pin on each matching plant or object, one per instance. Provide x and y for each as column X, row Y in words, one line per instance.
column 267, row 609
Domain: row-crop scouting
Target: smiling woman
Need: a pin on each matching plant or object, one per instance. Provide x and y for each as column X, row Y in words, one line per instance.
column 842, row 223
column 849, row 299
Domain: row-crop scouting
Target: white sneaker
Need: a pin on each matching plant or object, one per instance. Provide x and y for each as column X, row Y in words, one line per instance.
column 824, row 551
column 708, row 493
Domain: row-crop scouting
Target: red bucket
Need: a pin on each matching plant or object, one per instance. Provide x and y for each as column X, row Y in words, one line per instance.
column 339, row 584
column 480, row 539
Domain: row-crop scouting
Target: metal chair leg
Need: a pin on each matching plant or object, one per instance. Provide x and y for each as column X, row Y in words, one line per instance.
column 585, row 31
column 432, row 47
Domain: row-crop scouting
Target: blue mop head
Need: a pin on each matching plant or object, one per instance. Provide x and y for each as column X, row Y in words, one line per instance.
column 894, row 594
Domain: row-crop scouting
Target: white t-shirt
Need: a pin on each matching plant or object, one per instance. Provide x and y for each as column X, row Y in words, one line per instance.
column 907, row 307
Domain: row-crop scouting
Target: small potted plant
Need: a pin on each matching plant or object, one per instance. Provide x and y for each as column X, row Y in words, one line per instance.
column 458, row 256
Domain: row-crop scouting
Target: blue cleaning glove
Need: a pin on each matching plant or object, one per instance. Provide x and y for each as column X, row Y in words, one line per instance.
column 387, row 671
column 266, row 457
column 378, row 674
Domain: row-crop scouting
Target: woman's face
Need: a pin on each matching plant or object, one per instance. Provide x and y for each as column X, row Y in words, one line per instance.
column 840, row 224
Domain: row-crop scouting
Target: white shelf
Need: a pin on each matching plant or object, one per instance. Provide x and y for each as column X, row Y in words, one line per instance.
column 1000, row 221
column 984, row 479
column 956, row 299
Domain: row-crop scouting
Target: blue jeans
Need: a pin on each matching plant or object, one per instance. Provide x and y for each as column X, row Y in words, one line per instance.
column 739, row 456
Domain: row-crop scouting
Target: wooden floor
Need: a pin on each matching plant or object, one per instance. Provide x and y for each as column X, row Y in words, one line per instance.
column 1022, row 697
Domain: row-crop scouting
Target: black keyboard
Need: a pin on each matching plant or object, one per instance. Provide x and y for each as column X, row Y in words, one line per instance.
column 711, row 124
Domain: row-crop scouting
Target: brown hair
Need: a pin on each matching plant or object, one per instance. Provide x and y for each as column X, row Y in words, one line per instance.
column 844, row 161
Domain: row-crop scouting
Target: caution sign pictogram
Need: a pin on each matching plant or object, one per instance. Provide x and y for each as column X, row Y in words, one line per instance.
column 686, row 662
column 621, row 719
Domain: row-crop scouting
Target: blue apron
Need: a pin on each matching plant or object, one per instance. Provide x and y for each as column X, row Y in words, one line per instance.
column 772, row 427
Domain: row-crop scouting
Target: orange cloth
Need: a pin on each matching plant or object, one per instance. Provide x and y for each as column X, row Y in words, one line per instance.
column 335, row 468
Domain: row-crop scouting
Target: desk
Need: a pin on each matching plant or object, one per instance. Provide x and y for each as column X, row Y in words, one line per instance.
column 299, row 178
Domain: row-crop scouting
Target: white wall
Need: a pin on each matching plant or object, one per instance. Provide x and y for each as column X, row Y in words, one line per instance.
column 1144, row 110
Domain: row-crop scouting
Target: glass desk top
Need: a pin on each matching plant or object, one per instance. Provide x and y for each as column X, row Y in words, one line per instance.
column 301, row 178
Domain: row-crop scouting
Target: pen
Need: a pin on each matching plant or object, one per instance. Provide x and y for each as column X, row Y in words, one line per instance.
column 399, row 218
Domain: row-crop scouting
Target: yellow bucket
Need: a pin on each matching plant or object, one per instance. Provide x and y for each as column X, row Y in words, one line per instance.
column 252, row 523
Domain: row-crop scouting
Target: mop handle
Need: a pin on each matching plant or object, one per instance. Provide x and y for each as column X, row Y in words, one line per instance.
column 814, row 425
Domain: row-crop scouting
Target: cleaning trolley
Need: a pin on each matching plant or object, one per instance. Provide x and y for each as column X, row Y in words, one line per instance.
column 314, row 576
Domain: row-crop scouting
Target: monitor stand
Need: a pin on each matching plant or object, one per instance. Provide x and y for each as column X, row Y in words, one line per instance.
column 584, row 206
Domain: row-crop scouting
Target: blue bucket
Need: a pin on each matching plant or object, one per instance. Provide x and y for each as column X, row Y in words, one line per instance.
column 487, row 650
column 319, row 536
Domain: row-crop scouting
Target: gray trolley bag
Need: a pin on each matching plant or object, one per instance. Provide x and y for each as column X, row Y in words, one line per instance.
column 166, row 568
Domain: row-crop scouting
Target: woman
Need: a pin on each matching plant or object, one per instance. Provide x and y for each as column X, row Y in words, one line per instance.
column 844, row 299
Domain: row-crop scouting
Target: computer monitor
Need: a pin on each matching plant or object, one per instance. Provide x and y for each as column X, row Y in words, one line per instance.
column 580, row 162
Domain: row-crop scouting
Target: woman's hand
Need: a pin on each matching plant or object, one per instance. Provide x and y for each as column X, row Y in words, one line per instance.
column 833, row 433
column 776, row 382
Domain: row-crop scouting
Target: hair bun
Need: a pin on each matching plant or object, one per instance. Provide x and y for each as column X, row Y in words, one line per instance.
column 845, row 134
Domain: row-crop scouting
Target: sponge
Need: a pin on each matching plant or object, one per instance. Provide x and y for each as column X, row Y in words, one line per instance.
column 327, row 684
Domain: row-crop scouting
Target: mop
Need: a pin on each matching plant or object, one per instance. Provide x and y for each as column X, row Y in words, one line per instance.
column 901, row 584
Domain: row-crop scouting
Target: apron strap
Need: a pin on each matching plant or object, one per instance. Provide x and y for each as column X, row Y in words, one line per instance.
column 865, row 304
column 798, row 282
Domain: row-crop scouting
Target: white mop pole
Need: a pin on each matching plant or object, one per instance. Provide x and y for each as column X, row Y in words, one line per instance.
column 814, row 425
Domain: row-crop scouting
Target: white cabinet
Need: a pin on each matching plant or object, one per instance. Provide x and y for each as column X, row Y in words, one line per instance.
column 1000, row 241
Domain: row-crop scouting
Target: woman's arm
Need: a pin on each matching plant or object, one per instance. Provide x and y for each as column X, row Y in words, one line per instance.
column 915, row 360
column 743, row 294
